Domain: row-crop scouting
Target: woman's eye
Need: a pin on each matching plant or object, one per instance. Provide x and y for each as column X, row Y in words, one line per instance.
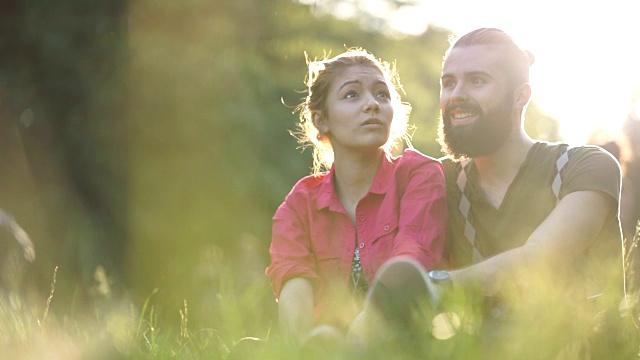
column 448, row 84
column 384, row 94
column 350, row 94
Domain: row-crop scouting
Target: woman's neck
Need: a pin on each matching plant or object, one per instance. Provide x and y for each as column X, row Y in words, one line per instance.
column 354, row 175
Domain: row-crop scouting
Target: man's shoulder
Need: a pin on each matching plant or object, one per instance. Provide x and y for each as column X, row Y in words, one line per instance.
column 577, row 156
column 591, row 159
column 546, row 148
column 587, row 167
column 452, row 166
column 448, row 163
column 591, row 150
column 546, row 155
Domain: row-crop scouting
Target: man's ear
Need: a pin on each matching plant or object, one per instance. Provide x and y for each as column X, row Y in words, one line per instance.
column 522, row 95
column 319, row 121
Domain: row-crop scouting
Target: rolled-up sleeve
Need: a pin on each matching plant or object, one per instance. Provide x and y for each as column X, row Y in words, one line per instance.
column 290, row 250
column 423, row 214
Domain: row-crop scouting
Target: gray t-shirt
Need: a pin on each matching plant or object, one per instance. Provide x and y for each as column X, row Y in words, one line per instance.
column 528, row 202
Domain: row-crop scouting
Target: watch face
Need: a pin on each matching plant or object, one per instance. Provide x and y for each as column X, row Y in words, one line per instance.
column 439, row 275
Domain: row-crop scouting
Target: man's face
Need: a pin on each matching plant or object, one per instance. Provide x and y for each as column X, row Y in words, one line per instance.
column 476, row 103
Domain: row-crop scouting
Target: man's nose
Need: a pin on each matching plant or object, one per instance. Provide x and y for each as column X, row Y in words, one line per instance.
column 459, row 93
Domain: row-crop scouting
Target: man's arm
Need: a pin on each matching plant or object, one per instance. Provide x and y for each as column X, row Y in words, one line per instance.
column 561, row 238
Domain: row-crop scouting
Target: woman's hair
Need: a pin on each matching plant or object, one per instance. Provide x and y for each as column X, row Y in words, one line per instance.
column 515, row 61
column 321, row 75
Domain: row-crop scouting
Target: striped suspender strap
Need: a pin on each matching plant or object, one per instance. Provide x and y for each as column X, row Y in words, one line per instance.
column 465, row 204
column 563, row 159
column 465, row 209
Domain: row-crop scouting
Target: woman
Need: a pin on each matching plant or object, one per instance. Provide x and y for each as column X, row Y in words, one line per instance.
column 337, row 227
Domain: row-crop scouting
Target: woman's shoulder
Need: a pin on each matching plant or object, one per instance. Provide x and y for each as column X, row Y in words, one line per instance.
column 412, row 163
column 309, row 184
column 413, row 155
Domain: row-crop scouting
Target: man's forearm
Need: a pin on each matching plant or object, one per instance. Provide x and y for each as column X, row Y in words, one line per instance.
column 489, row 277
column 550, row 249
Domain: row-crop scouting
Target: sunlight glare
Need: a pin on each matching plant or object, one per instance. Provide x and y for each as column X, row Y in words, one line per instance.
column 345, row 10
column 445, row 325
column 378, row 8
column 587, row 64
column 409, row 20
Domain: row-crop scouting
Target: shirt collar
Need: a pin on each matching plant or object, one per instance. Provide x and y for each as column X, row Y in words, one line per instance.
column 383, row 175
column 328, row 197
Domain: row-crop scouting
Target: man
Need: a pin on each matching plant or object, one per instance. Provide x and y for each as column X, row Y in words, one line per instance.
column 533, row 226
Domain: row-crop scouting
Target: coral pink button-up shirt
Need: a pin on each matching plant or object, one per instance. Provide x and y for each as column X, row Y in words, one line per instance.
column 404, row 213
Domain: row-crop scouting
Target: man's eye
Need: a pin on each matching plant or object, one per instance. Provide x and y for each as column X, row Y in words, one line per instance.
column 478, row 81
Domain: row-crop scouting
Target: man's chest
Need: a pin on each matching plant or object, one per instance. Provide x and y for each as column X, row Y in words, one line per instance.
column 502, row 218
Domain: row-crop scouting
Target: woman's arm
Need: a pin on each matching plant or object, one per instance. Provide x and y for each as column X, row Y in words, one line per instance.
column 296, row 308
column 423, row 215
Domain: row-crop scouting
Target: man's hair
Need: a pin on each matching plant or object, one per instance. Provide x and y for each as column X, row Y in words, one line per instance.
column 515, row 61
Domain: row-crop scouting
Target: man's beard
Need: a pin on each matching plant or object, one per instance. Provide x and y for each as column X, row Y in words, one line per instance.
column 483, row 137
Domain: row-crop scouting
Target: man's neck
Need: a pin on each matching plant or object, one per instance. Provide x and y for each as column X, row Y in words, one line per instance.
column 497, row 171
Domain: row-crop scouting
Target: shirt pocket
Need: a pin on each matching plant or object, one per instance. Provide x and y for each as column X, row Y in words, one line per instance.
column 384, row 235
column 329, row 261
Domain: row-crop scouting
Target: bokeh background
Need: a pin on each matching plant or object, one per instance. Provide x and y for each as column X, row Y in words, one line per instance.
column 144, row 145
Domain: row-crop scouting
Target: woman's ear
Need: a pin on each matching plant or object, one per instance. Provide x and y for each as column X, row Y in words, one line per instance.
column 523, row 95
column 319, row 121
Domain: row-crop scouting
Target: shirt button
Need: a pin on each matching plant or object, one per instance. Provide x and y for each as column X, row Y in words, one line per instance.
column 361, row 245
column 386, row 228
column 361, row 218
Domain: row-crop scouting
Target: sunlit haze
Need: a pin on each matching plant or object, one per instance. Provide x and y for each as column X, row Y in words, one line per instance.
column 587, row 69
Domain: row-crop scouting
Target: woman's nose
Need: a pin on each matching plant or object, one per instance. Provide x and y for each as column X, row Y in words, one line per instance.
column 372, row 104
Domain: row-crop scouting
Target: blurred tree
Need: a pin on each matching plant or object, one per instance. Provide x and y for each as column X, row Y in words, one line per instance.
column 156, row 133
column 62, row 111
column 212, row 90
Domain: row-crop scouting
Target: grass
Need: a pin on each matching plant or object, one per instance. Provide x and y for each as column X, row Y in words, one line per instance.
column 120, row 329
column 237, row 321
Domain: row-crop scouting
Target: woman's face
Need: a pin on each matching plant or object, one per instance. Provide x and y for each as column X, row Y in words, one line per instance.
column 358, row 111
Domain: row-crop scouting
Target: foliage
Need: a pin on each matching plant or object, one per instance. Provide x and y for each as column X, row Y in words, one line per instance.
column 145, row 147
column 145, row 135
column 219, row 82
column 211, row 92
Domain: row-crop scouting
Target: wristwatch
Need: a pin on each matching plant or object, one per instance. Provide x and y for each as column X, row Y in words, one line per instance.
column 441, row 277
column 441, row 286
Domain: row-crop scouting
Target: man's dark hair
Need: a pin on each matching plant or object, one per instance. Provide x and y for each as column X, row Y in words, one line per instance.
column 515, row 61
